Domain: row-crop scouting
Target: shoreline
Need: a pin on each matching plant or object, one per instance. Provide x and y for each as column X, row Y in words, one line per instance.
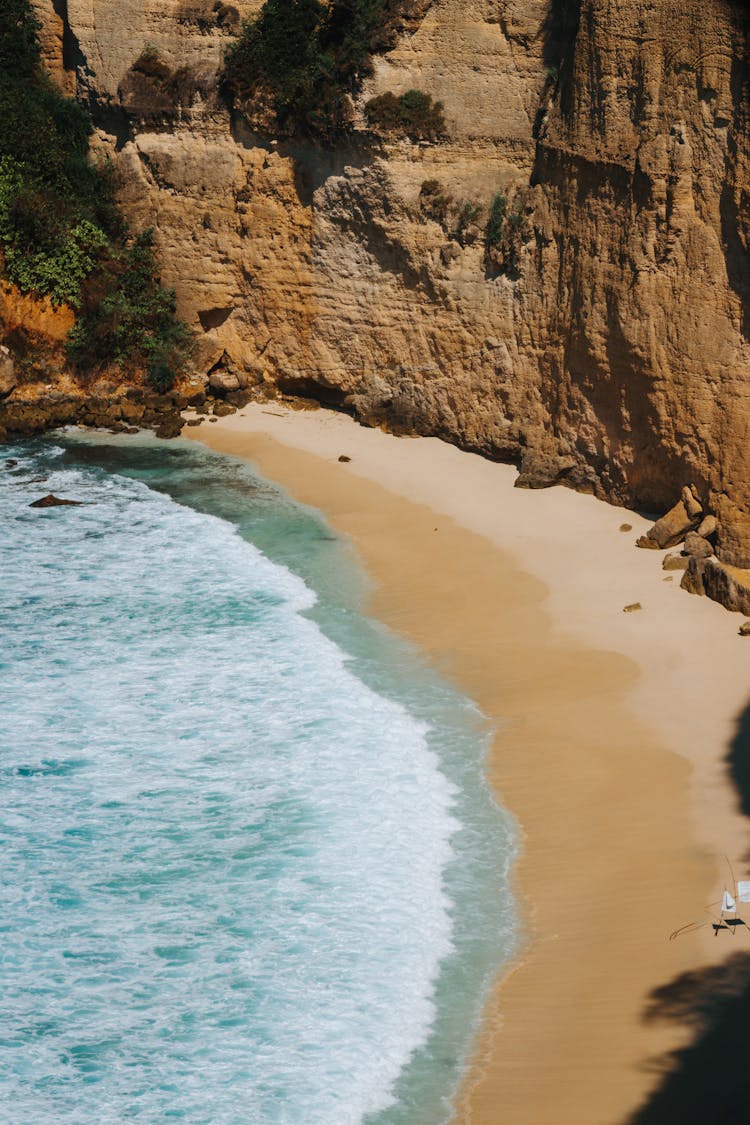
column 611, row 734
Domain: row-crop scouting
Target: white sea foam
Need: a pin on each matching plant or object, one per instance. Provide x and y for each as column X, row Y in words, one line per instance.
column 222, row 891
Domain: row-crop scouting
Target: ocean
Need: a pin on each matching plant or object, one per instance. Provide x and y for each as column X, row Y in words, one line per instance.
column 251, row 868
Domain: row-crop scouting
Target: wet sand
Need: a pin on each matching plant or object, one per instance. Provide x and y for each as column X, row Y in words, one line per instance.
column 612, row 730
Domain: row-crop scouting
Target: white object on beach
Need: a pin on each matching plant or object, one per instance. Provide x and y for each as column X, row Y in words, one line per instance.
column 743, row 890
column 728, row 904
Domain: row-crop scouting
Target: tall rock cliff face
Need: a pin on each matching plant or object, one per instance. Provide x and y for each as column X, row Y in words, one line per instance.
column 636, row 274
column 603, row 340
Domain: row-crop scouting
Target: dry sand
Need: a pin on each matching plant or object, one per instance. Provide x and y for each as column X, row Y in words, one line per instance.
column 612, row 730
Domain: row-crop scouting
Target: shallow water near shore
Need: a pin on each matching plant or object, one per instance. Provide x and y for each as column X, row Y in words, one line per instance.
column 253, row 871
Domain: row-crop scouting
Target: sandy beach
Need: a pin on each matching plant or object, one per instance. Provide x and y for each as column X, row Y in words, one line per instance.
column 612, row 731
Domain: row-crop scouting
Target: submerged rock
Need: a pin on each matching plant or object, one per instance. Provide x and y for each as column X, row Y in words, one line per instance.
column 50, row 501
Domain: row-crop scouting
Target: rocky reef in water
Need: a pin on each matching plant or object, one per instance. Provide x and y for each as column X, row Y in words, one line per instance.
column 561, row 278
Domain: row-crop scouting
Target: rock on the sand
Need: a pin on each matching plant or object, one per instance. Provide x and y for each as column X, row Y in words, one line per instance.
column 744, row 629
column 708, row 526
column 722, row 584
column 675, row 562
column 672, row 528
column 696, row 546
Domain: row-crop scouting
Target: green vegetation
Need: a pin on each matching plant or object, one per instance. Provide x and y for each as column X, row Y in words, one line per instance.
column 468, row 214
column 496, row 220
column 435, row 202
column 127, row 316
column 413, row 114
column 297, row 61
column 459, row 219
column 61, row 234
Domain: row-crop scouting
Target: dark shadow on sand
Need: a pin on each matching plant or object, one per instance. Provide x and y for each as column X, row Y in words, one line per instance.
column 708, row 1082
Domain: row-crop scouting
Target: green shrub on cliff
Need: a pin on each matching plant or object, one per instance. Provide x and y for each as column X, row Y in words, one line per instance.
column 128, row 316
column 413, row 115
column 297, row 61
column 43, row 252
column 56, row 210
column 496, row 220
column 61, row 234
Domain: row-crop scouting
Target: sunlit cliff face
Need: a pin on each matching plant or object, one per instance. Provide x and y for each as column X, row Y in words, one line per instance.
column 602, row 340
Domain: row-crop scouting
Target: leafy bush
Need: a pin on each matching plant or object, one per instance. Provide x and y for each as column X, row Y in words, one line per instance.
column 44, row 252
column 413, row 114
column 127, row 315
column 61, row 234
column 434, row 201
column 468, row 214
column 496, row 220
column 297, row 61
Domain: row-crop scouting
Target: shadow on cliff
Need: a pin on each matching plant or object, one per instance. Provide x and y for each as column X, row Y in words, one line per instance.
column 559, row 40
column 708, row 1081
column 735, row 227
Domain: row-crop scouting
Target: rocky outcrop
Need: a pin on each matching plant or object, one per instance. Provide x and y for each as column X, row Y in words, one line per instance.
column 7, row 372
column 696, row 546
column 601, row 342
column 636, row 264
column 52, row 501
column 675, row 525
column 119, row 409
column 722, row 583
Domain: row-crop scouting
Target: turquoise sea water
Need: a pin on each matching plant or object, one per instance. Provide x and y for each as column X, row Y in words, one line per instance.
column 251, row 871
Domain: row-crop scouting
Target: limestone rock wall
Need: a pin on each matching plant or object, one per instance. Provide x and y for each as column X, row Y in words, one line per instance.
column 603, row 343
column 636, row 267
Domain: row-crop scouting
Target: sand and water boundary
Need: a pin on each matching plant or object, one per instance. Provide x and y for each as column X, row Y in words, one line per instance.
column 612, row 735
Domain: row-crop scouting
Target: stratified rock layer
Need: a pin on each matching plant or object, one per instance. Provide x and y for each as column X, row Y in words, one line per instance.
column 603, row 341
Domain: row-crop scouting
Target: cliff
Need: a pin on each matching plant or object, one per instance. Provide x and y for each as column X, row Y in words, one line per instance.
column 602, row 339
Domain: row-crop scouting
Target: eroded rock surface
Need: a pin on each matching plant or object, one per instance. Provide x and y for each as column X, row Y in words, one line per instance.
column 602, row 343
column 723, row 583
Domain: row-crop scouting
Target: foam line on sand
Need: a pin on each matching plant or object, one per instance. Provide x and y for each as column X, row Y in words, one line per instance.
column 612, row 734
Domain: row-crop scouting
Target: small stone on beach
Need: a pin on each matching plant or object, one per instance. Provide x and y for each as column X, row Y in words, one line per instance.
column 626, row 527
column 632, row 607
column 744, row 629
column 675, row 562
column 343, row 457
